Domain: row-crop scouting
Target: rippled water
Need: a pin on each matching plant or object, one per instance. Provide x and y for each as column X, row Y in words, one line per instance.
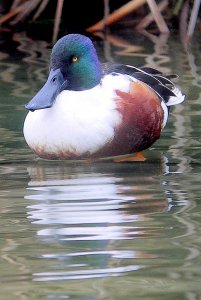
column 103, row 230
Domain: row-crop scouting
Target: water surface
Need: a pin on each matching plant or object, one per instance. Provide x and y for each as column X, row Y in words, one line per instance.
column 102, row 230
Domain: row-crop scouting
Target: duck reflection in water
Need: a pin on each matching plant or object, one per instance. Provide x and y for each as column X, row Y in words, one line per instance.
column 93, row 213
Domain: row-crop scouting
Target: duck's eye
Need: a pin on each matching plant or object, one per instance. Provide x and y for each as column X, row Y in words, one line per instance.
column 74, row 59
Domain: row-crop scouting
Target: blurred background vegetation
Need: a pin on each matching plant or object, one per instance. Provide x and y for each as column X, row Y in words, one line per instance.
column 76, row 16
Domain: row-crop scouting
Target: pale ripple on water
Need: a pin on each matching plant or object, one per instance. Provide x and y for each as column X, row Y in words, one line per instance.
column 99, row 209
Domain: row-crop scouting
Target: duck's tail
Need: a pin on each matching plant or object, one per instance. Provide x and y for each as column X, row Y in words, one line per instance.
column 178, row 98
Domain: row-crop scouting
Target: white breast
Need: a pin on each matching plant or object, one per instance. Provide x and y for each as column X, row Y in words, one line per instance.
column 78, row 122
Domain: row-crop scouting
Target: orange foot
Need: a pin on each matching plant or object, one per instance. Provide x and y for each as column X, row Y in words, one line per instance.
column 135, row 157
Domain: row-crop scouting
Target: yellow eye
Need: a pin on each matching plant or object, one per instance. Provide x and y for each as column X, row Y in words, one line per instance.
column 74, row 59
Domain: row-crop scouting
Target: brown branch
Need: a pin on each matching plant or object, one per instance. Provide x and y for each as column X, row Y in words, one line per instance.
column 145, row 22
column 40, row 9
column 30, row 6
column 12, row 13
column 117, row 14
column 183, row 21
column 193, row 18
column 57, row 19
column 106, row 10
column 158, row 17
column 19, row 10
column 15, row 4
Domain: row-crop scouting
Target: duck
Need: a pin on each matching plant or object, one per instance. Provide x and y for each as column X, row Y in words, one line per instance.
column 93, row 110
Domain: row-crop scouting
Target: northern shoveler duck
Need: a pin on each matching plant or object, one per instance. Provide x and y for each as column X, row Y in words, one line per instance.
column 90, row 110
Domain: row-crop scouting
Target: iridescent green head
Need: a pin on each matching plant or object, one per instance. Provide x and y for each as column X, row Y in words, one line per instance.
column 74, row 65
column 76, row 57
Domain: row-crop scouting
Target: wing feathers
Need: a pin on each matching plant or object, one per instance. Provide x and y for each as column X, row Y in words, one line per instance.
column 160, row 83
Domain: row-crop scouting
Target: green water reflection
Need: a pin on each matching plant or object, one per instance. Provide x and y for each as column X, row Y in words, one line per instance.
column 105, row 230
